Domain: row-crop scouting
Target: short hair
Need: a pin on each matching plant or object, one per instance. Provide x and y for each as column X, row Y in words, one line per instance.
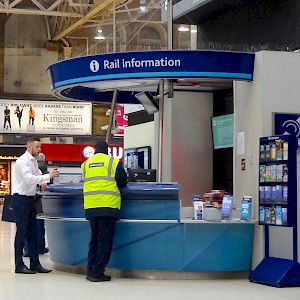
column 32, row 139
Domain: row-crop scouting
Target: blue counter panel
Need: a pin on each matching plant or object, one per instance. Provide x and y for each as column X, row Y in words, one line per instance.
column 158, row 246
column 217, row 247
column 63, row 207
column 68, row 241
column 147, row 247
column 72, row 207
column 150, row 210
column 141, row 201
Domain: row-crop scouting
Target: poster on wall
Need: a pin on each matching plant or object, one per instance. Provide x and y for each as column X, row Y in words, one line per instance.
column 287, row 124
column 45, row 117
column 222, row 131
column 120, row 121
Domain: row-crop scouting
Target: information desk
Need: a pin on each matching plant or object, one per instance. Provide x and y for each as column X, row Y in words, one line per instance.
column 149, row 236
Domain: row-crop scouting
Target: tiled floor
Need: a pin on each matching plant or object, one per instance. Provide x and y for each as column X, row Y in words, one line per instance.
column 59, row 285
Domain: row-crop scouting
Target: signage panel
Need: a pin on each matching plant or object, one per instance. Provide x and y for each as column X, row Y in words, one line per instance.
column 76, row 152
column 287, row 124
column 222, row 129
column 45, row 117
column 84, row 77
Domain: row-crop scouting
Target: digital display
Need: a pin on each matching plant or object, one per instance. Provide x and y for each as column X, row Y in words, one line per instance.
column 137, row 157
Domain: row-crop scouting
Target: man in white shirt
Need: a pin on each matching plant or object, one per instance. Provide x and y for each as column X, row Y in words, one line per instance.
column 27, row 176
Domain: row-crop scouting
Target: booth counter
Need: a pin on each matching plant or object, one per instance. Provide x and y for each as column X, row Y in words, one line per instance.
column 150, row 236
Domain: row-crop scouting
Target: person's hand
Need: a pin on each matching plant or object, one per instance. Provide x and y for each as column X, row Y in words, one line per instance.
column 43, row 187
column 53, row 173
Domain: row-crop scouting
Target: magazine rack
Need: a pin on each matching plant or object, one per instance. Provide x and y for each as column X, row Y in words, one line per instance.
column 278, row 207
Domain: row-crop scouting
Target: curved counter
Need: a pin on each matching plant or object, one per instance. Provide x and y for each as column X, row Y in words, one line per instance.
column 149, row 236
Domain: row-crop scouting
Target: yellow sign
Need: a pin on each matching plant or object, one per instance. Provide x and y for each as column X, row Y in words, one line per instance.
column 10, row 157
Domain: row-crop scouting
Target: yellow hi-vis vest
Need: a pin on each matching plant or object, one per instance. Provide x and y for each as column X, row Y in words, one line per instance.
column 100, row 187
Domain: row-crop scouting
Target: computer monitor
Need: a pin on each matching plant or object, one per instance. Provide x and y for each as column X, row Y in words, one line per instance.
column 141, row 175
column 137, row 157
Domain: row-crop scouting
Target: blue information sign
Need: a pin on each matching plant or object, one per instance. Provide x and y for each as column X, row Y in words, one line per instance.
column 83, row 77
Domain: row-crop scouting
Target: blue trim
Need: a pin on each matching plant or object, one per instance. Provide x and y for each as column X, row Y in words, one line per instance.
column 154, row 75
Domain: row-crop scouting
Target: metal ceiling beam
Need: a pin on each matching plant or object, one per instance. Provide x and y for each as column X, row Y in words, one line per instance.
column 104, row 5
column 36, row 12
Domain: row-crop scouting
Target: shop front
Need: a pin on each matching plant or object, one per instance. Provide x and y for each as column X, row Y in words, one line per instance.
column 8, row 157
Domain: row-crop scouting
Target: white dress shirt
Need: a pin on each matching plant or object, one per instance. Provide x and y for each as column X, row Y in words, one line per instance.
column 27, row 175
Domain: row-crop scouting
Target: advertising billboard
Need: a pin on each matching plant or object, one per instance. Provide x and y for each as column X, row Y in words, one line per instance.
column 45, row 117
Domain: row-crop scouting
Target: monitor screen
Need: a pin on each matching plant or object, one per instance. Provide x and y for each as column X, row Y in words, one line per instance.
column 222, row 131
column 146, row 155
column 142, row 175
column 137, row 157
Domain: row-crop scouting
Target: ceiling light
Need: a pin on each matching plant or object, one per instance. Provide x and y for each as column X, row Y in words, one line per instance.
column 183, row 27
column 194, row 28
column 143, row 8
column 100, row 35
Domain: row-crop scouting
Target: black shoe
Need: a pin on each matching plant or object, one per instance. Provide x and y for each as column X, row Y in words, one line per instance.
column 25, row 253
column 40, row 269
column 24, row 270
column 99, row 278
column 43, row 251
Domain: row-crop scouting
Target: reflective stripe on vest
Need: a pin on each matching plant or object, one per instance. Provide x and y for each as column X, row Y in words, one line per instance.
column 111, row 160
column 100, row 188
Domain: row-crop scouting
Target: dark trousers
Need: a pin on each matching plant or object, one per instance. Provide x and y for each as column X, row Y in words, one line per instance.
column 40, row 236
column 25, row 216
column 7, row 119
column 100, row 247
column 31, row 120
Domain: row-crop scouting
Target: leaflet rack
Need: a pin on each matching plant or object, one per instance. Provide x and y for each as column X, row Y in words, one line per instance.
column 278, row 207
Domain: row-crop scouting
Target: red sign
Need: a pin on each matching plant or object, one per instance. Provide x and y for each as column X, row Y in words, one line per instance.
column 74, row 152
column 121, row 121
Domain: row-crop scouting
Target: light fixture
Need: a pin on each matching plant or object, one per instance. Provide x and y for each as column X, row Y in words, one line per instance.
column 100, row 35
column 147, row 100
column 143, row 8
column 183, row 27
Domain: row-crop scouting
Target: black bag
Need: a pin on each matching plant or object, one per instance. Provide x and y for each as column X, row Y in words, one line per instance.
column 8, row 212
column 38, row 204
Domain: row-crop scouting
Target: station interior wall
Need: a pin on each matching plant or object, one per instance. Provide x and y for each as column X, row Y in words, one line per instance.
column 142, row 135
column 25, row 57
column 187, row 139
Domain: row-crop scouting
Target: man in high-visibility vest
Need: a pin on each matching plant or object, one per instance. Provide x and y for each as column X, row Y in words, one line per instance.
column 102, row 177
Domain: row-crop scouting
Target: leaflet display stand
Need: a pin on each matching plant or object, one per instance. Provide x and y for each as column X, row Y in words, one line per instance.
column 278, row 208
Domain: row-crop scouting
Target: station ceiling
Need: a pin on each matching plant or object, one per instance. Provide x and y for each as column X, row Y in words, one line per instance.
column 64, row 17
